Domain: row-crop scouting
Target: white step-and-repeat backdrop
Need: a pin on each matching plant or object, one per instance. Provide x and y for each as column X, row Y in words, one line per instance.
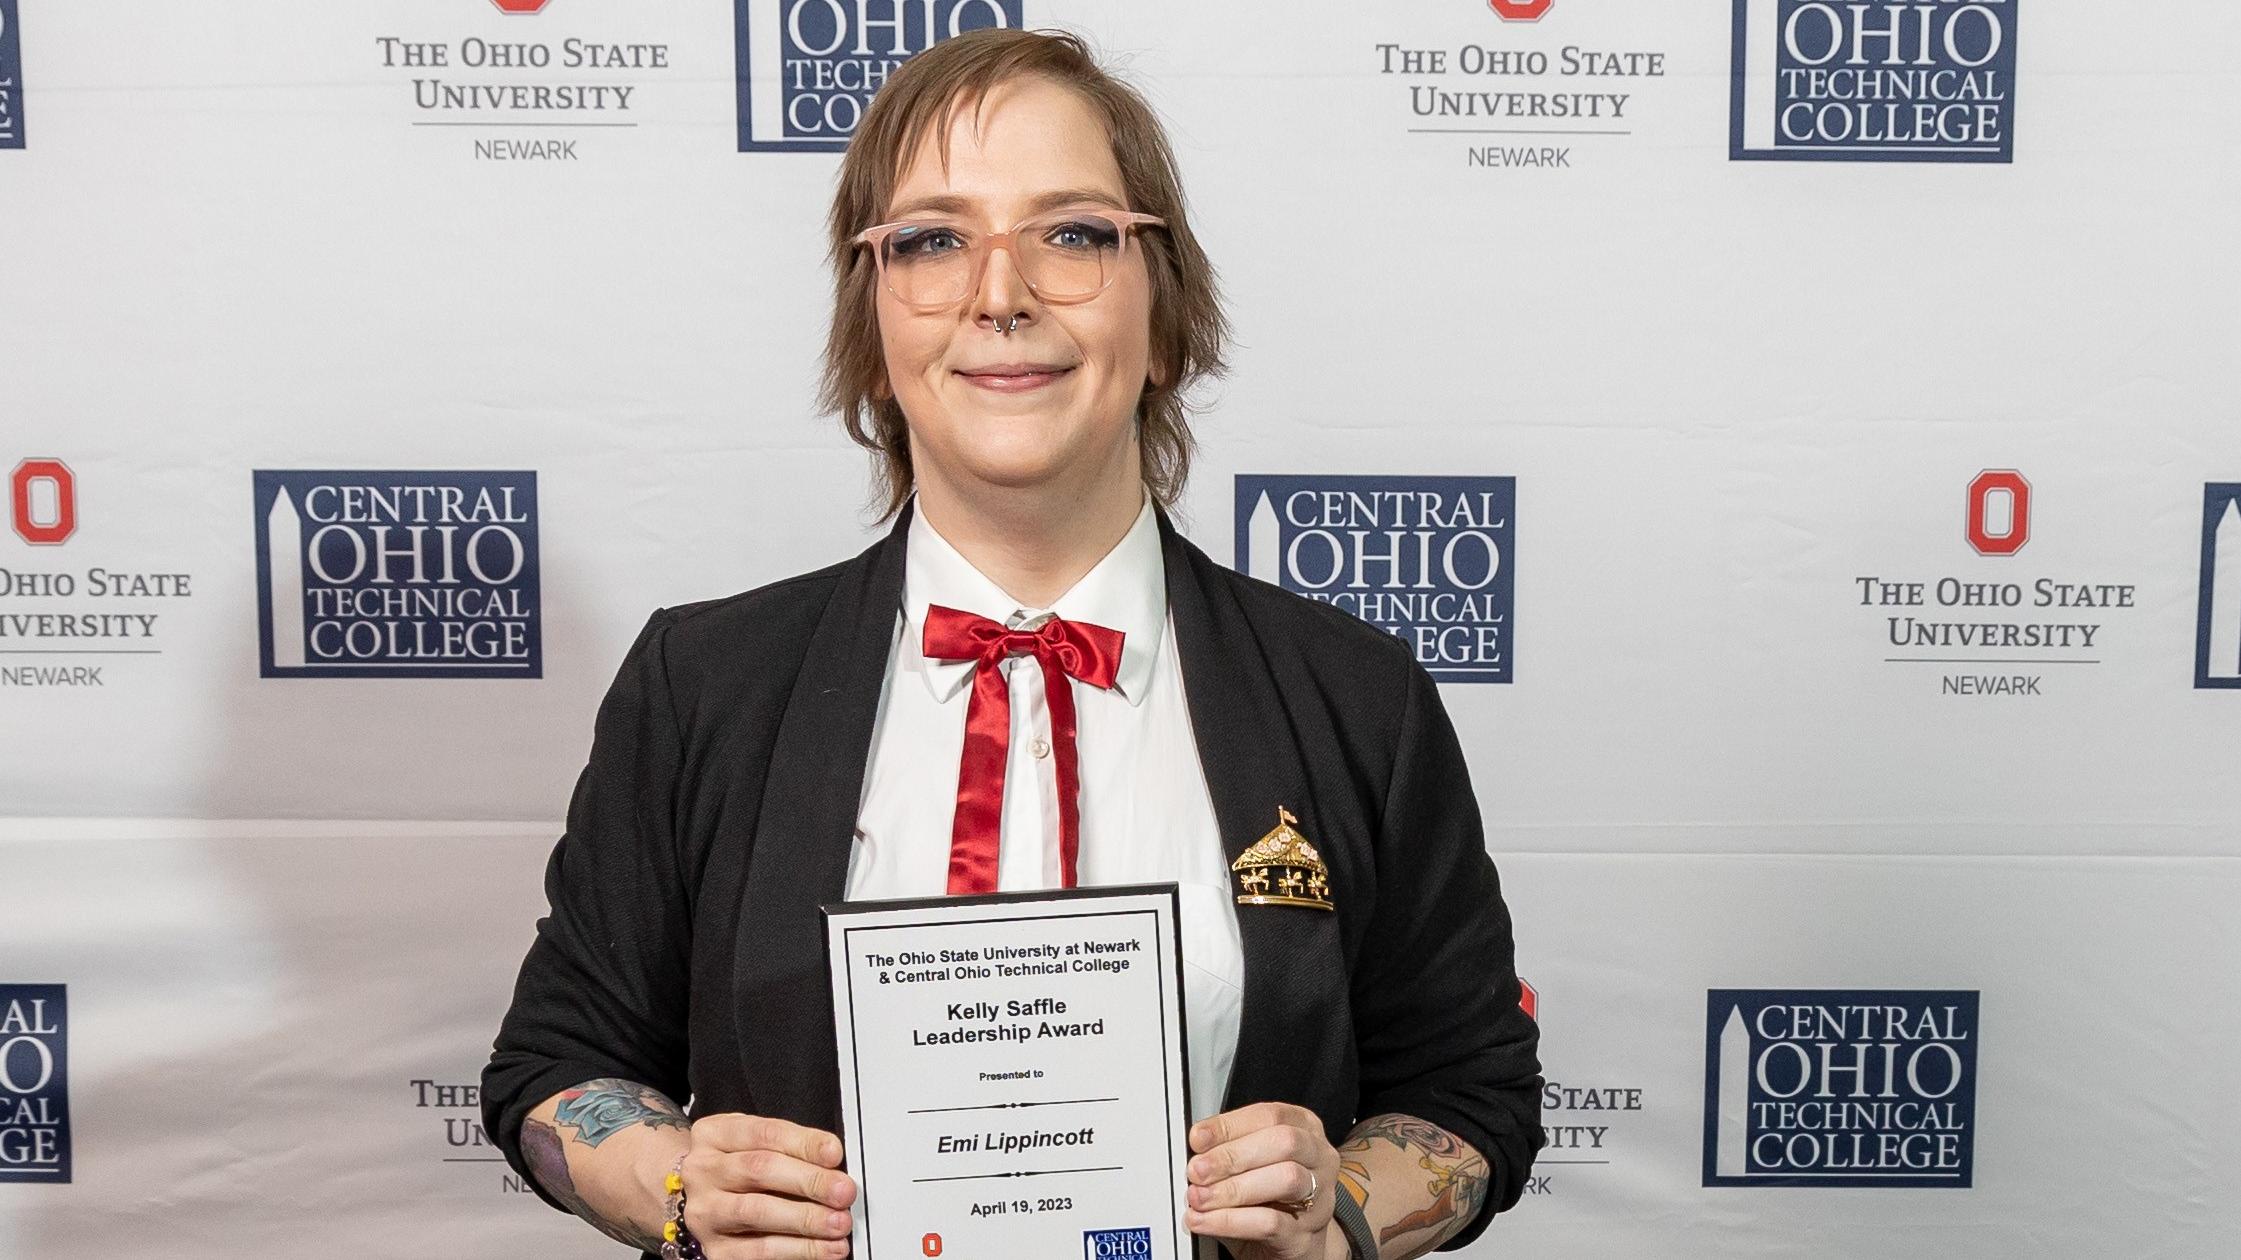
column 1800, row 436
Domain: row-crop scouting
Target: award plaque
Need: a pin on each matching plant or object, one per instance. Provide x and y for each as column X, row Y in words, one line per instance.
column 1012, row 1074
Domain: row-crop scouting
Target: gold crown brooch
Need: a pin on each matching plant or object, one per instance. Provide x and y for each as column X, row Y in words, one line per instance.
column 1283, row 869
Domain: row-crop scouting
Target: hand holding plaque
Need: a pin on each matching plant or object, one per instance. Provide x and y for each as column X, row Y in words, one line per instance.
column 760, row 1176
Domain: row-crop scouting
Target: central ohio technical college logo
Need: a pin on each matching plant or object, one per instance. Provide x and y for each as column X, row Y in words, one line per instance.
column 1922, row 81
column 2217, row 651
column 1429, row 559
column 398, row 574
column 1117, row 1244
column 1837, row 1087
column 11, row 78
column 808, row 67
column 34, row 1083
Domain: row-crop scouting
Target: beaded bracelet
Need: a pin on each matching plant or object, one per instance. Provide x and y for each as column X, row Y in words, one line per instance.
column 677, row 1242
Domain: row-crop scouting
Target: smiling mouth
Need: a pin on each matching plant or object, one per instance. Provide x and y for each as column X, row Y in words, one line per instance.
column 1013, row 378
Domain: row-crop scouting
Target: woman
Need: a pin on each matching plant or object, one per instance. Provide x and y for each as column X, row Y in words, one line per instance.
column 1020, row 307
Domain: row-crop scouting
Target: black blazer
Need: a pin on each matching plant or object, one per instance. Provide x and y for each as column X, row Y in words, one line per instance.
column 685, row 949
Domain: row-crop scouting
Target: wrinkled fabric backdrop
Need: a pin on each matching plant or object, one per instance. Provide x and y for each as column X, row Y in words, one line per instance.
column 1801, row 436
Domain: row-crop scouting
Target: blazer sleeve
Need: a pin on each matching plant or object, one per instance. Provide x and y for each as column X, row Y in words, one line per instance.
column 1435, row 993
column 602, row 992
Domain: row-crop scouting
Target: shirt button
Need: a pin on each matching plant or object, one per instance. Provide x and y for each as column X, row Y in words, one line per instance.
column 1041, row 748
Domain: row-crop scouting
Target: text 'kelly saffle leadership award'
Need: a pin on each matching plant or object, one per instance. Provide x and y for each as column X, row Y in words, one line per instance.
column 1012, row 1073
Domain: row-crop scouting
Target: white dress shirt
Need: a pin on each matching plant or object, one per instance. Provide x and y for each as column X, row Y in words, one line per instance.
column 1146, row 815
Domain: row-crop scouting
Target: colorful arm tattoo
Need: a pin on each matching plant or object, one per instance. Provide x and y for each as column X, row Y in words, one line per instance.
column 541, row 1148
column 595, row 1110
column 1456, row 1188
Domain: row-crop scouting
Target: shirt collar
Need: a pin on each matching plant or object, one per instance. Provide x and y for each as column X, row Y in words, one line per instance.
column 1126, row 591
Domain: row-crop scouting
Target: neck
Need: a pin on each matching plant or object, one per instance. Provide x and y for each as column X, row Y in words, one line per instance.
column 1035, row 543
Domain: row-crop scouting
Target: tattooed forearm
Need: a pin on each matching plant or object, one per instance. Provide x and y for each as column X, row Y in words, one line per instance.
column 1383, row 1165
column 548, row 1161
column 560, row 1142
column 597, row 1110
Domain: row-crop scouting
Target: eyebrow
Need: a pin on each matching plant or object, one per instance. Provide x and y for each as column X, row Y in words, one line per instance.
column 950, row 203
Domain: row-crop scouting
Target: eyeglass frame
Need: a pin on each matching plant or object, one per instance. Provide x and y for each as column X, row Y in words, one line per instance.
column 987, row 244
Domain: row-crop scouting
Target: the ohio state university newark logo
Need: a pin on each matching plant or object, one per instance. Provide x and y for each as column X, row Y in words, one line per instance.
column 43, row 501
column 1999, row 512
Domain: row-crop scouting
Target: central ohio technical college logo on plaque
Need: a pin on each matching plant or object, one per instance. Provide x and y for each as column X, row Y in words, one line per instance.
column 807, row 68
column 398, row 574
column 1840, row 1087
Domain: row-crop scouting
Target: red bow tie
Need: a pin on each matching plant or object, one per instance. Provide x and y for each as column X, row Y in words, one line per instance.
column 1063, row 649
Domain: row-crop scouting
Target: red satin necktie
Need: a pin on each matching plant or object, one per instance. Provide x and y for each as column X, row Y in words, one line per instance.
column 1062, row 648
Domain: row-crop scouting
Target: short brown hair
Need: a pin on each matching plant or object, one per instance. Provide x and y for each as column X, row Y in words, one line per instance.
column 918, row 103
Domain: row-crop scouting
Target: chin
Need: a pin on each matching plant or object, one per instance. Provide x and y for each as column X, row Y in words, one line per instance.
column 1015, row 448
column 1016, row 473
column 1024, row 449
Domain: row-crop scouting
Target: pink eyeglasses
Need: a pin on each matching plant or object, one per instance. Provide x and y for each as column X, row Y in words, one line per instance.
column 1065, row 255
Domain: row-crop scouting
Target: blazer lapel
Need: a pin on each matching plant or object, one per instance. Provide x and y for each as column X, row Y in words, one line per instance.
column 1250, row 756
column 783, row 995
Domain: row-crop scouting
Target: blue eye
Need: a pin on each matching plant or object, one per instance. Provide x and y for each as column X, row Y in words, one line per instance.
column 1083, row 235
column 924, row 242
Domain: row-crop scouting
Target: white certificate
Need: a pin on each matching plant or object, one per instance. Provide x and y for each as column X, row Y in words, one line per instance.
column 1012, row 1074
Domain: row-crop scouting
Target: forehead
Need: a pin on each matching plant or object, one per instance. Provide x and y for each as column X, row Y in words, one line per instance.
column 1025, row 137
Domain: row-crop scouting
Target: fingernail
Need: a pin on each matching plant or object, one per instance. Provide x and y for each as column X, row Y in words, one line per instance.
column 1197, row 1169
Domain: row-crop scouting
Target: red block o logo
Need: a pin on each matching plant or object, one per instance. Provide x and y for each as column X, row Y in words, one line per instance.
column 2006, row 488
column 1520, row 10
column 521, row 6
column 931, row 1244
column 44, row 501
column 1528, row 1001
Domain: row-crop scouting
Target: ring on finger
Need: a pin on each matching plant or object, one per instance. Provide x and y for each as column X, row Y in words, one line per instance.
column 1305, row 1202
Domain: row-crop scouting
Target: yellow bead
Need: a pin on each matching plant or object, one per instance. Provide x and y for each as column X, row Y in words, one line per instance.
column 674, row 1183
column 669, row 1231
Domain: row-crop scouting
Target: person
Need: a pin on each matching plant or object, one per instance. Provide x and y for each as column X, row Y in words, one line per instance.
column 1021, row 311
